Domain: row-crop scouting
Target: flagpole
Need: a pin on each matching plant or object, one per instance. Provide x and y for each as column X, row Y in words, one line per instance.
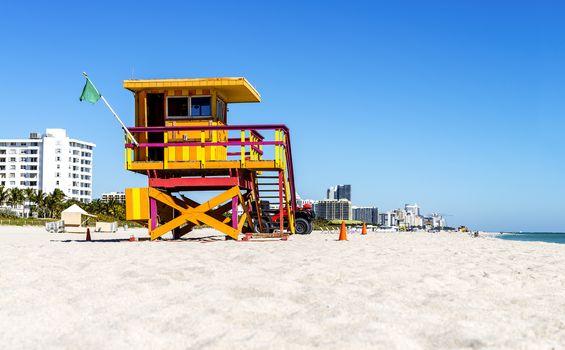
column 113, row 112
column 119, row 121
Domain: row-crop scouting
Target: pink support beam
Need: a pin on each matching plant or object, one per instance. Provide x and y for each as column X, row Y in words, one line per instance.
column 234, row 203
column 281, row 206
column 153, row 213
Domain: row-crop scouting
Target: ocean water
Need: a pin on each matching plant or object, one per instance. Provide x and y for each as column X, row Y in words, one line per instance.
column 550, row 237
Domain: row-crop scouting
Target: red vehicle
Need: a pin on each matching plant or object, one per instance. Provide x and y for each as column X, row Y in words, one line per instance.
column 270, row 219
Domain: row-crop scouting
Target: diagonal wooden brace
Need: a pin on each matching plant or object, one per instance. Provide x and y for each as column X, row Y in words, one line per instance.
column 202, row 213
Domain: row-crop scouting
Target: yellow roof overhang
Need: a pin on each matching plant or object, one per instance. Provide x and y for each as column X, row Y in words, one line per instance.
column 233, row 89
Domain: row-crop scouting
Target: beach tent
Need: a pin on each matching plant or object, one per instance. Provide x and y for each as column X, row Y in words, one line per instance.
column 73, row 217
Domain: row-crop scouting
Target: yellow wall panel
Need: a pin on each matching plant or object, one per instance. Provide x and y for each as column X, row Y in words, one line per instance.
column 137, row 204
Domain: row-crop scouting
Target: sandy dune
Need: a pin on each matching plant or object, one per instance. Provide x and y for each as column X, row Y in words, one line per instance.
column 385, row 290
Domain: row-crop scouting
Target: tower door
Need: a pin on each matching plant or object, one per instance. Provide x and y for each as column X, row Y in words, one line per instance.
column 155, row 117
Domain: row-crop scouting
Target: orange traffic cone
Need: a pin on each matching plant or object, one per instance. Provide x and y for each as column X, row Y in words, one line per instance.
column 364, row 229
column 88, row 238
column 342, row 232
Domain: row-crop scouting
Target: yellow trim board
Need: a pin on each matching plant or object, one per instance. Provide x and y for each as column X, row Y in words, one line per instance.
column 235, row 90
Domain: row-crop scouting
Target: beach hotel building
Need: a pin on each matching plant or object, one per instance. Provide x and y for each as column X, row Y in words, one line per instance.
column 369, row 215
column 331, row 209
column 46, row 162
column 337, row 205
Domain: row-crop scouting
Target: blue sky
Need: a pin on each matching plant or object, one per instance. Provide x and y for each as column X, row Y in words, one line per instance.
column 455, row 105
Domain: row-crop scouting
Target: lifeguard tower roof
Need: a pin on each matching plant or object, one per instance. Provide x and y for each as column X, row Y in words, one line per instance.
column 234, row 90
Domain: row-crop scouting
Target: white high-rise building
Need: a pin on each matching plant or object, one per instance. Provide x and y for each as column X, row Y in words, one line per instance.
column 331, row 209
column 46, row 162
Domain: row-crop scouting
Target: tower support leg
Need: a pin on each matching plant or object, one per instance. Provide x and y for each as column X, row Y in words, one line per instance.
column 188, row 213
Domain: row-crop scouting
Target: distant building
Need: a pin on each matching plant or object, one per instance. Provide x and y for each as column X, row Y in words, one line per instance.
column 46, row 162
column 331, row 209
column 428, row 222
column 414, row 220
column 383, row 220
column 414, row 209
column 339, row 192
column 344, row 192
column 399, row 217
column 332, row 193
column 369, row 215
column 409, row 217
column 388, row 219
column 113, row 196
column 438, row 220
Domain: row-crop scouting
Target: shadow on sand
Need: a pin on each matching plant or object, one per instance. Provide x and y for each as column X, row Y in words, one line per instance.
column 203, row 239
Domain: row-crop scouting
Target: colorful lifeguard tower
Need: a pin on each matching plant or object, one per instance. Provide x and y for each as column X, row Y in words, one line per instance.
column 186, row 145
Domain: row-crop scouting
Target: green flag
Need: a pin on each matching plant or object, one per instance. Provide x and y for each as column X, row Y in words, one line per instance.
column 89, row 92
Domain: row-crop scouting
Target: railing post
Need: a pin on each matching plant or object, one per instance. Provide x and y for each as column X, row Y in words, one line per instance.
column 214, row 149
column 242, row 148
column 276, row 148
column 130, row 156
column 165, row 150
column 283, row 154
column 251, row 147
column 254, row 148
column 126, row 156
column 281, row 147
column 202, row 149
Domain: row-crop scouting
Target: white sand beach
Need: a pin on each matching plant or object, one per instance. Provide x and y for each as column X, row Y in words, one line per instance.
column 383, row 291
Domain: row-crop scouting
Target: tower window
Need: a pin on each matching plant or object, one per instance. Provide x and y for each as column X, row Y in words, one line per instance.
column 200, row 106
column 177, row 106
column 186, row 107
